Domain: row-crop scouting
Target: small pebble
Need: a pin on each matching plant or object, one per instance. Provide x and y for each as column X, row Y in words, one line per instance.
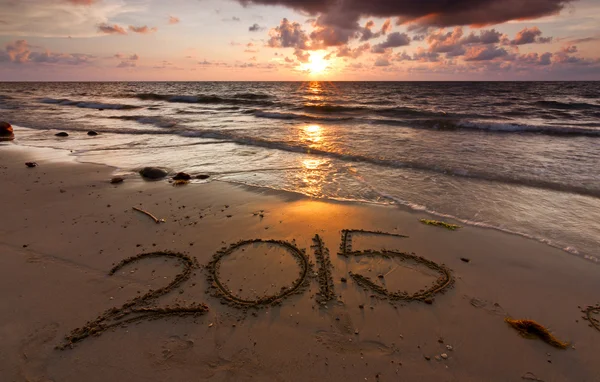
column 445, row 356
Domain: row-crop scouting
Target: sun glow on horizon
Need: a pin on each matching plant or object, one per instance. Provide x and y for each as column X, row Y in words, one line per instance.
column 318, row 64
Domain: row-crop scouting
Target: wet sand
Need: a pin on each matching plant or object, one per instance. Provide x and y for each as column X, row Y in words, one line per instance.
column 64, row 227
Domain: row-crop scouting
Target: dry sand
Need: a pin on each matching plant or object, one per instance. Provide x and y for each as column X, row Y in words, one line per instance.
column 64, row 226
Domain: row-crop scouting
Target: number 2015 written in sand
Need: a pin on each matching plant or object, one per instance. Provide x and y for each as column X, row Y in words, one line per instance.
column 141, row 307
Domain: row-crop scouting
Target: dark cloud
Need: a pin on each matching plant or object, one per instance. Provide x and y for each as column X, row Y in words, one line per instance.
column 255, row 28
column 288, row 35
column 439, row 13
column 368, row 34
column 394, row 40
column 484, row 37
column 111, row 29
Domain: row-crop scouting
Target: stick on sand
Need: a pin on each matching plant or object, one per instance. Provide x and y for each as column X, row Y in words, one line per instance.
column 156, row 220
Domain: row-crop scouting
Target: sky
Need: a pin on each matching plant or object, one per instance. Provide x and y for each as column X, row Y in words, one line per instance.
column 276, row 40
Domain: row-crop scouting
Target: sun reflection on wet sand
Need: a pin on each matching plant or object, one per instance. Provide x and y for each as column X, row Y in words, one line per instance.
column 313, row 176
column 312, row 135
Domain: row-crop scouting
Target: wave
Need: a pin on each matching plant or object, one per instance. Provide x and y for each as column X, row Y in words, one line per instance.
column 88, row 105
column 451, row 124
column 252, row 96
column 333, row 108
column 293, row 116
column 250, row 99
column 478, row 175
column 296, row 147
column 520, row 128
column 474, row 223
column 567, row 105
column 147, row 120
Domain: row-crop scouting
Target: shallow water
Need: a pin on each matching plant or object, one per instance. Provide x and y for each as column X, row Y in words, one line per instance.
column 522, row 157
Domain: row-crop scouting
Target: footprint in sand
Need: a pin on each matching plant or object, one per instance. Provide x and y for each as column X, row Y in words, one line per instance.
column 343, row 340
column 490, row 307
column 35, row 349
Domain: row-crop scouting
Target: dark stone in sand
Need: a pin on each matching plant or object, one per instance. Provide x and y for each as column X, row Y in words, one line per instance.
column 31, row 164
column 182, row 176
column 465, row 259
column 153, row 173
column 117, row 180
column 62, row 134
column 92, row 133
column 203, row 177
column 6, row 132
column 100, row 109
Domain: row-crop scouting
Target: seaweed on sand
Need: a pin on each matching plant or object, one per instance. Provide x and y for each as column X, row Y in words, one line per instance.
column 451, row 227
column 531, row 329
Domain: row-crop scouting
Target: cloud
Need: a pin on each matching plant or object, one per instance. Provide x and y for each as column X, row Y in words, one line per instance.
column 530, row 36
column 255, row 28
column 127, row 64
column 303, row 57
column 394, row 40
column 288, row 35
column 82, row 2
column 485, row 53
column 584, row 40
column 536, row 59
column 234, row 19
column 61, row 18
column 21, row 52
column 143, row 29
column 368, row 34
column 343, row 15
column 111, row 29
column 346, row 51
column 174, row 20
column 383, row 61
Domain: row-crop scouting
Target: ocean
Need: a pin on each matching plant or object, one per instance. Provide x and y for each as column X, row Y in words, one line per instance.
column 522, row 157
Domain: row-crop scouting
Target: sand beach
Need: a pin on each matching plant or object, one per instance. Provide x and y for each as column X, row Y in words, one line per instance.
column 65, row 226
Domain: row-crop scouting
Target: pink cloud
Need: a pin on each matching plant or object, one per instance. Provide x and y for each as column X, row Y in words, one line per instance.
column 82, row 2
column 143, row 29
column 174, row 20
column 111, row 29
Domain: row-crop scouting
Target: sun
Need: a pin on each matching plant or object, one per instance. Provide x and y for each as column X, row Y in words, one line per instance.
column 317, row 64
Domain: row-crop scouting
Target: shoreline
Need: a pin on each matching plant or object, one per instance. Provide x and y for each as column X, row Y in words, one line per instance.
column 67, row 226
column 70, row 156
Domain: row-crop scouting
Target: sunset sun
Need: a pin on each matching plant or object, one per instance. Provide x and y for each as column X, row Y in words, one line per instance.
column 317, row 64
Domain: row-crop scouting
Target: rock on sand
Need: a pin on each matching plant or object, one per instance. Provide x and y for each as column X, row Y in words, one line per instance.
column 6, row 132
column 182, row 176
column 153, row 173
